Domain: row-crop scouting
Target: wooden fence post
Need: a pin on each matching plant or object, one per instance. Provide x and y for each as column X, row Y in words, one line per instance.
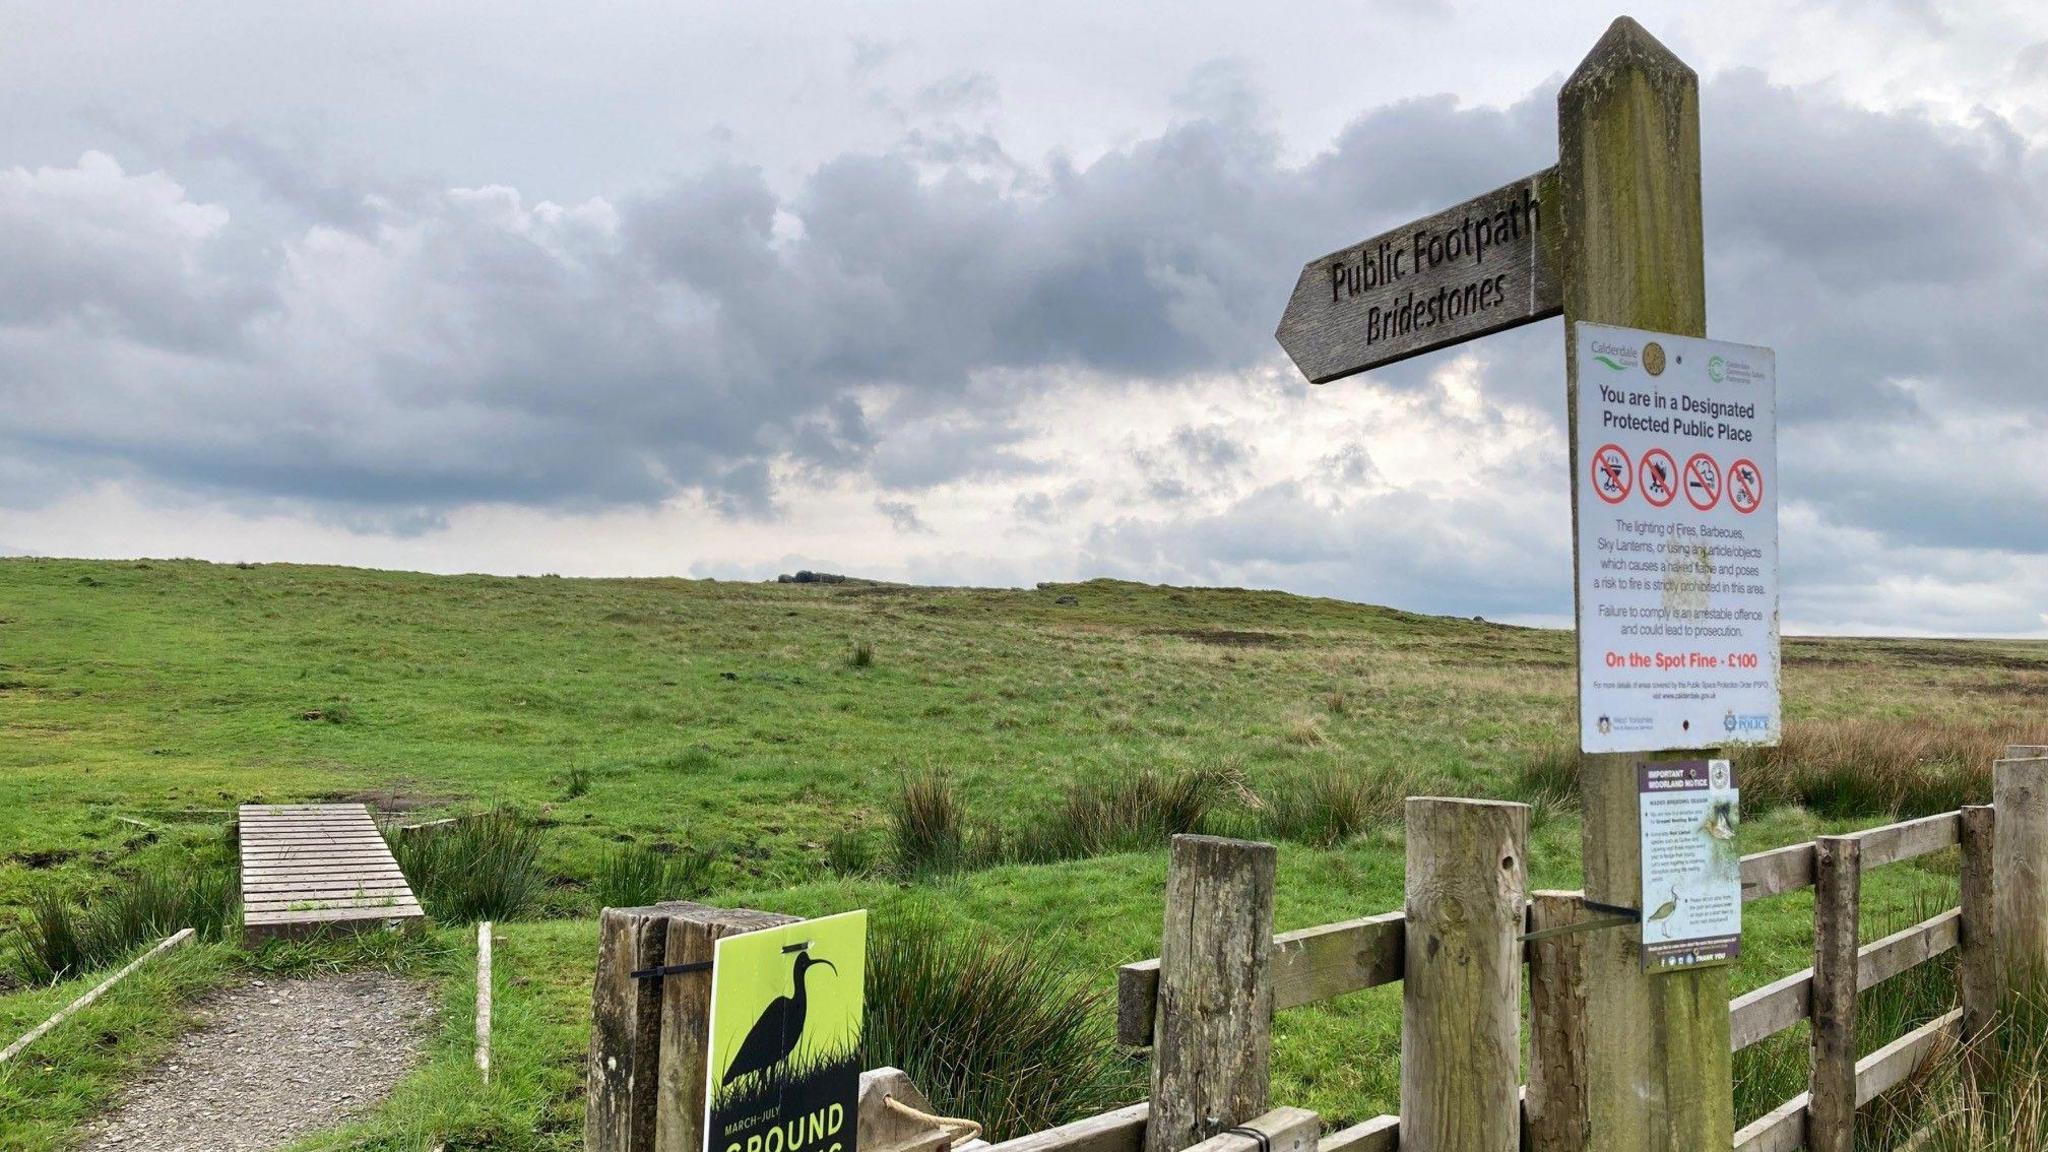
column 645, row 1079
column 1556, row 1111
column 2019, row 870
column 625, row 1021
column 1977, row 967
column 1837, row 891
column 1461, row 985
column 1212, row 1038
column 692, row 935
column 1658, row 1067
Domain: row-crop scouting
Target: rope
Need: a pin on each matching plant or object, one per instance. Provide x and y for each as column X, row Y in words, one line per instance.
column 960, row 1130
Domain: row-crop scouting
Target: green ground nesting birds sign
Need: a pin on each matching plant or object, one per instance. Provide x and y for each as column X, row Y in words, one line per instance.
column 786, row 1010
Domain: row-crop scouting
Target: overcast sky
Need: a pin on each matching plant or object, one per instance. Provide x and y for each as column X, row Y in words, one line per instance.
column 957, row 292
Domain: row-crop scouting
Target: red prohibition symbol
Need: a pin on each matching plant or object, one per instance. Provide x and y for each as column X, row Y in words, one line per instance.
column 1702, row 481
column 1745, row 486
column 1612, row 477
column 1657, row 476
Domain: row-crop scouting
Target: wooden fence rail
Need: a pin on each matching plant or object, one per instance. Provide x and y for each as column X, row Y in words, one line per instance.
column 1458, row 948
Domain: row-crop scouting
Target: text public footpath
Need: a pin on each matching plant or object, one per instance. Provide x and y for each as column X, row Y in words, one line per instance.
column 1386, row 263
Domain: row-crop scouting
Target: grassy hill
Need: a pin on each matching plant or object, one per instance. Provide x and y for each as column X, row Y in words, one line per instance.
column 142, row 700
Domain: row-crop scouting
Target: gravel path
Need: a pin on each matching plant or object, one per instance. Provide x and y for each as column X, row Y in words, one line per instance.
column 273, row 1061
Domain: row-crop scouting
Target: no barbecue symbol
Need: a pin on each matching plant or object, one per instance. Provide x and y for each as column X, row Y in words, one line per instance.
column 1611, row 475
column 1658, row 477
column 1702, row 482
column 1745, row 486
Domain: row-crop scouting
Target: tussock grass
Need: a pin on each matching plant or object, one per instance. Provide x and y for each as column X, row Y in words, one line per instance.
column 1868, row 766
column 1331, row 804
column 636, row 875
column 1129, row 813
column 1988, row 1091
column 930, row 828
column 483, row 867
column 66, row 937
column 862, row 655
column 1001, row 1032
column 849, row 852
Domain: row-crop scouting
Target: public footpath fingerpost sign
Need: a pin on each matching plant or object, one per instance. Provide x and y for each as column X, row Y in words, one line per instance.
column 1675, row 542
column 1677, row 562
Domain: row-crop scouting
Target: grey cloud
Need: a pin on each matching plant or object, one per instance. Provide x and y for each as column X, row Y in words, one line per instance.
column 417, row 352
column 903, row 517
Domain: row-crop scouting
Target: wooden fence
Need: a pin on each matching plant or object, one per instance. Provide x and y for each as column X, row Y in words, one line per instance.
column 1461, row 949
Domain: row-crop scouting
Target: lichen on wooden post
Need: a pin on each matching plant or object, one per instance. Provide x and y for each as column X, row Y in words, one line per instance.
column 1658, row 1067
column 625, row 1020
column 1212, row 1036
column 1837, row 892
column 1461, row 991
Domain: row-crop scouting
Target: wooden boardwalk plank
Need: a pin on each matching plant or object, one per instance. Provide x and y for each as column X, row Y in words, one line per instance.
column 311, row 866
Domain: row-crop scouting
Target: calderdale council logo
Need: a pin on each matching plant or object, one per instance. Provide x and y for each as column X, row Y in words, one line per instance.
column 1717, row 369
column 1611, row 362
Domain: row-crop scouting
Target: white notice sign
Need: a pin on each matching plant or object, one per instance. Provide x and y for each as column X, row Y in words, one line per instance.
column 1678, row 541
column 1692, row 867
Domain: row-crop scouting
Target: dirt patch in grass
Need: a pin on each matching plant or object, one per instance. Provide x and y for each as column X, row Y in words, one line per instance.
column 1230, row 638
column 47, row 858
column 392, row 801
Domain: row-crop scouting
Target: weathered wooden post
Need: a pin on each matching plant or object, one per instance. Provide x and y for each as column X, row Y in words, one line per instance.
column 1556, row 1112
column 1658, row 1066
column 1837, row 892
column 649, row 1034
column 1977, row 967
column 2019, row 789
column 1212, row 1036
column 625, row 1023
column 685, row 1045
column 1461, row 985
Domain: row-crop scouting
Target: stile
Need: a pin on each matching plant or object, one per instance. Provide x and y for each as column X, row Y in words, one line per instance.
column 1213, row 1033
column 1831, row 1115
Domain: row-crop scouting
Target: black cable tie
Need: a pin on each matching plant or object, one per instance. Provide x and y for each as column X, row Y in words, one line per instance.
column 1264, row 1141
column 672, row 970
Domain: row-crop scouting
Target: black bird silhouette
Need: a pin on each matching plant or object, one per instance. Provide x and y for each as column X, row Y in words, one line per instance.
column 773, row 1037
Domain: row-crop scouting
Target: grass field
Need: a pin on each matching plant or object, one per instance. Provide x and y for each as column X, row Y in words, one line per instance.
column 142, row 700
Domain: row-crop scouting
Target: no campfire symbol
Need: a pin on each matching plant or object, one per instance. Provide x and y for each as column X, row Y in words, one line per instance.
column 1658, row 477
column 786, row 1015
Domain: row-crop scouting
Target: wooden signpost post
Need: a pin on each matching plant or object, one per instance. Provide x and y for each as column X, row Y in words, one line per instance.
column 1611, row 235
